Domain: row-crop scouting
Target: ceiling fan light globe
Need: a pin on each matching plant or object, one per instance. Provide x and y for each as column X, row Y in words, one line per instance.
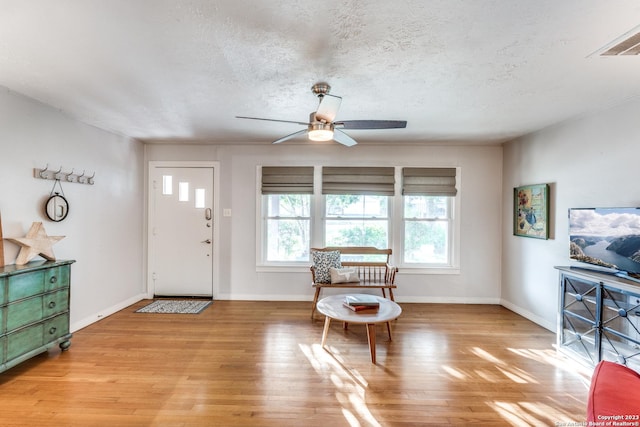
column 321, row 135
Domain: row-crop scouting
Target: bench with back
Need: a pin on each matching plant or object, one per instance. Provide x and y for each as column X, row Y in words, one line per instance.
column 376, row 273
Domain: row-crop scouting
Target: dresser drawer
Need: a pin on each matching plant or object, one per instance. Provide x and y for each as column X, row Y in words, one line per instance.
column 56, row 327
column 3, row 290
column 57, row 277
column 24, row 312
column 25, row 285
column 24, row 340
column 55, row 302
column 3, row 354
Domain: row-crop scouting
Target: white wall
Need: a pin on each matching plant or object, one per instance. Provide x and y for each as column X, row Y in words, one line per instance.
column 481, row 199
column 104, row 227
column 589, row 162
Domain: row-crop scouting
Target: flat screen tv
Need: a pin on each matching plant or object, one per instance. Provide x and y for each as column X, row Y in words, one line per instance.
column 608, row 238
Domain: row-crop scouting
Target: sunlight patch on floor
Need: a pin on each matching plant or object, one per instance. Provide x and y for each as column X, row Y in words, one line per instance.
column 517, row 375
column 553, row 358
column 350, row 385
column 456, row 373
column 487, row 376
column 486, row 356
column 494, row 370
column 495, row 374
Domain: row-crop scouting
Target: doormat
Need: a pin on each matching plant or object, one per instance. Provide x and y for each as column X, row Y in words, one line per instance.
column 175, row 306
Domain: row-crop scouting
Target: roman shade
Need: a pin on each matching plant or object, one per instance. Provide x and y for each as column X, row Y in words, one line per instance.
column 429, row 181
column 287, row 180
column 377, row 181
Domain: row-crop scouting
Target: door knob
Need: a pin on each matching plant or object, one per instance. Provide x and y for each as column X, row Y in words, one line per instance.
column 208, row 241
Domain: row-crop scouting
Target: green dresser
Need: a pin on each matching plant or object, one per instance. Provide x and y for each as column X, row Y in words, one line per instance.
column 34, row 310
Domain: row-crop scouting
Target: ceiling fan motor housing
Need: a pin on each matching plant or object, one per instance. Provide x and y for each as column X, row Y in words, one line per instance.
column 320, row 89
column 314, row 120
column 319, row 130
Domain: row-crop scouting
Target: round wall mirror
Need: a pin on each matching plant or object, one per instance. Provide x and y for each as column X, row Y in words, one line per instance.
column 56, row 208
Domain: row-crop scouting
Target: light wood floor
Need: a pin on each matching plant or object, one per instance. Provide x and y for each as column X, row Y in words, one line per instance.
column 260, row 364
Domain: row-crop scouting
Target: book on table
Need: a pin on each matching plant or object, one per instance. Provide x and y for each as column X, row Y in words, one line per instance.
column 362, row 300
column 361, row 307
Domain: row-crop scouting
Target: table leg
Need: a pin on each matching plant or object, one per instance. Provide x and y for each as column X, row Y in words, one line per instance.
column 371, row 334
column 325, row 331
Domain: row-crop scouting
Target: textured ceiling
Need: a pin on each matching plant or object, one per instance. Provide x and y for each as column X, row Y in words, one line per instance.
column 456, row 70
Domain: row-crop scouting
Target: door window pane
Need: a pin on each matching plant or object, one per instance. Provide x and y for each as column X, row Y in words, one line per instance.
column 200, row 200
column 183, row 191
column 167, row 185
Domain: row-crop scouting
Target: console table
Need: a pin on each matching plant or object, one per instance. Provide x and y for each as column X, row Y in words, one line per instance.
column 598, row 317
column 34, row 310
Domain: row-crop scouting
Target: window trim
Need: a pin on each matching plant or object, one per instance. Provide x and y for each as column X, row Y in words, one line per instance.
column 396, row 229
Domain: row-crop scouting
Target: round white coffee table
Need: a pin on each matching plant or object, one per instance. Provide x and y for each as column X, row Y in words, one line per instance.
column 333, row 309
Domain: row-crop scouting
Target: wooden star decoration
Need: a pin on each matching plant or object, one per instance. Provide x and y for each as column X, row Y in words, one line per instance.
column 35, row 243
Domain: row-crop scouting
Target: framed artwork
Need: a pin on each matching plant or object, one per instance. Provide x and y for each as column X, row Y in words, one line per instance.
column 531, row 211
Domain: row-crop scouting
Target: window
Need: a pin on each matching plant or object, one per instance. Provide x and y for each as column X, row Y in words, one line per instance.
column 428, row 207
column 286, row 194
column 200, row 201
column 288, row 225
column 183, row 191
column 167, row 185
column 427, row 229
column 357, row 220
column 359, row 206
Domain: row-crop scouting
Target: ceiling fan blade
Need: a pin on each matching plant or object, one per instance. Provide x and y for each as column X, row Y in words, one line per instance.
column 371, row 124
column 290, row 136
column 272, row 120
column 328, row 108
column 343, row 138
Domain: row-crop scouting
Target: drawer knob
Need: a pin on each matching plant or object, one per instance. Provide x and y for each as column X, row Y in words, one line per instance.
column 53, row 279
column 52, row 304
column 53, row 330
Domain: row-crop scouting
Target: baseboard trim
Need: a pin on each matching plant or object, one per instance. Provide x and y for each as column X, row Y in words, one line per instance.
column 83, row 323
column 529, row 316
column 405, row 299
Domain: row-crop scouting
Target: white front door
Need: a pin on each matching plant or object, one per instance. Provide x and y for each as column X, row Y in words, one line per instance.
column 181, row 228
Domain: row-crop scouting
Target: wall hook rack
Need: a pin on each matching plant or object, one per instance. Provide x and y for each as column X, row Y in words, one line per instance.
column 51, row 174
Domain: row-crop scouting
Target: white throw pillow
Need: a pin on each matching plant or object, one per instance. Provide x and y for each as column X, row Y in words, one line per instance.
column 343, row 275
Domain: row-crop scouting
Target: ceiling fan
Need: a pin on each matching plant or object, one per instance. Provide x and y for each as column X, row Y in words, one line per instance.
column 322, row 125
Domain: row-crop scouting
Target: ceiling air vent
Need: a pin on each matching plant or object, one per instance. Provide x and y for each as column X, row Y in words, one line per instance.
column 626, row 45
